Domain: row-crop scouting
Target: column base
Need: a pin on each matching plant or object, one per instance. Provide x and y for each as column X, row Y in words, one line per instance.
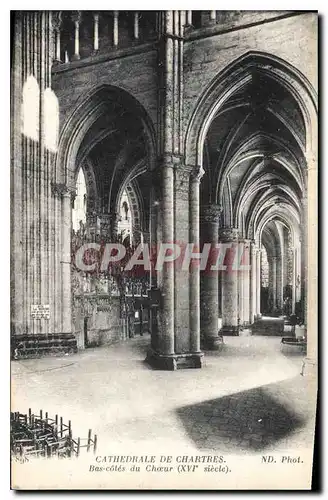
column 173, row 362
column 230, row 331
column 309, row 368
column 212, row 343
column 75, row 57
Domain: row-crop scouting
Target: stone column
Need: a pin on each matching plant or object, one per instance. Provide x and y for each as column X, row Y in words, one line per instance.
column 136, row 26
column 294, row 278
column 258, row 283
column 210, row 219
column 189, row 18
column 76, row 17
column 285, row 253
column 57, row 22
column 213, row 16
column 310, row 259
column 64, row 195
column 19, row 301
column 230, row 283
column 274, row 282
column 176, row 344
column 245, row 273
column 304, row 266
column 167, row 337
column 299, row 273
column 115, row 29
column 252, row 312
column 280, row 282
column 66, row 261
column 95, row 32
column 32, row 165
column 194, row 279
column 162, row 354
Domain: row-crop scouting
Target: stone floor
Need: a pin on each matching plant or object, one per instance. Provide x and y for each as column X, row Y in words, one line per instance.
column 249, row 398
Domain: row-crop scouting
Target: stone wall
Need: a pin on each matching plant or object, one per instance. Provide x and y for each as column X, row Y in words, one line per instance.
column 135, row 72
column 104, row 325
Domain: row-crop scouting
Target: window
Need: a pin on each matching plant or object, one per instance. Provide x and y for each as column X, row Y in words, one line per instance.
column 80, row 202
column 125, row 222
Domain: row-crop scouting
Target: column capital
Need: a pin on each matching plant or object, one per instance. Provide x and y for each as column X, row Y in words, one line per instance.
column 171, row 24
column 211, row 213
column 62, row 190
column 171, row 160
column 196, row 173
column 311, row 158
column 76, row 16
column 246, row 242
column 57, row 19
column 228, row 234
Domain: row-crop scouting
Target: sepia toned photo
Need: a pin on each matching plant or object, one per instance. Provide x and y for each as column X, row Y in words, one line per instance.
column 163, row 249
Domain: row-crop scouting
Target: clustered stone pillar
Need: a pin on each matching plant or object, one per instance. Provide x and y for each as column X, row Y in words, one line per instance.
column 230, row 325
column 177, row 340
column 34, row 281
column 210, row 219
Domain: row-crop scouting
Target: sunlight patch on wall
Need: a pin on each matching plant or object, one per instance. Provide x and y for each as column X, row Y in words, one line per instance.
column 31, row 108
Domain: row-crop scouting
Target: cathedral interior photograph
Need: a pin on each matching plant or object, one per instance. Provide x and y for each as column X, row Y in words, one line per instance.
column 163, row 232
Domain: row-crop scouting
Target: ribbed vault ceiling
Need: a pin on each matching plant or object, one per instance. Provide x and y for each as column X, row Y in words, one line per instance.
column 254, row 156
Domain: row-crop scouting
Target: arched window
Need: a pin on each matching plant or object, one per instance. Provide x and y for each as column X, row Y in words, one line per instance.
column 80, row 208
column 51, row 120
column 125, row 222
column 31, row 108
